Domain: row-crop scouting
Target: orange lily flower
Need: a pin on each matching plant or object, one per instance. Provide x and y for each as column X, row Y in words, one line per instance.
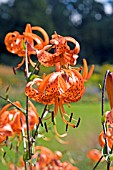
column 5, row 131
column 14, row 42
column 95, row 155
column 62, row 52
column 109, row 118
column 46, row 155
column 67, row 166
column 16, row 119
column 108, row 136
column 58, row 88
column 45, row 160
column 5, row 127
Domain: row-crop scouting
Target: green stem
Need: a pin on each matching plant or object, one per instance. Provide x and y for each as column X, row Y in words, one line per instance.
column 27, row 117
column 108, row 165
column 97, row 163
column 9, row 101
column 28, row 131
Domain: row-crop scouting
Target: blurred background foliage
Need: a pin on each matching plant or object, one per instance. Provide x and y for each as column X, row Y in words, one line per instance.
column 90, row 22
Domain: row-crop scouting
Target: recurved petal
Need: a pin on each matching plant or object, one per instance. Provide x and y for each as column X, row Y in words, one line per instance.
column 33, row 115
column 109, row 88
column 86, row 75
column 28, row 28
column 76, row 49
column 6, row 130
column 43, row 32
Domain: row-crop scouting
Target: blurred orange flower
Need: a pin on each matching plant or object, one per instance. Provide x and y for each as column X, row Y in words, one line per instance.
column 94, row 155
column 5, row 128
column 108, row 136
column 45, row 160
column 15, row 119
column 15, row 42
column 5, row 131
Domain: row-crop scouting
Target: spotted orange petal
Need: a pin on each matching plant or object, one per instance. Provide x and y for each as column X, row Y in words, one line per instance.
column 62, row 52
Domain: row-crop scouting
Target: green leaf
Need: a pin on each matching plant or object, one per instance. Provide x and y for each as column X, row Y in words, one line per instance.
column 111, row 157
column 26, row 156
column 32, row 77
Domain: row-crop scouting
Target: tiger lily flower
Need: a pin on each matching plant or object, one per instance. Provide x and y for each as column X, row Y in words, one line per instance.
column 5, row 127
column 108, row 136
column 15, row 42
column 16, row 119
column 45, row 160
column 59, row 88
column 5, row 131
column 62, row 55
column 109, row 118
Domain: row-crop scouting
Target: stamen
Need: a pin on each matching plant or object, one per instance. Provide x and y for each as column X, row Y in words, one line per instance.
column 5, row 141
column 11, row 146
column 14, row 70
column 53, row 117
column 46, row 127
column 4, row 154
column 61, row 141
column 56, row 132
column 69, row 121
column 62, row 112
column 78, row 122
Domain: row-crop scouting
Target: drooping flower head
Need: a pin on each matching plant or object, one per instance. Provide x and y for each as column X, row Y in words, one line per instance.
column 15, row 42
column 63, row 55
column 16, row 119
column 58, row 88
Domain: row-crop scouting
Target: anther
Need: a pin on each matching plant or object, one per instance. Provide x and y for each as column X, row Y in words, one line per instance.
column 46, row 127
column 69, row 121
column 78, row 122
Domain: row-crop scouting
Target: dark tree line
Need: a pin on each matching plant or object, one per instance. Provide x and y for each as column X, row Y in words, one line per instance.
column 85, row 20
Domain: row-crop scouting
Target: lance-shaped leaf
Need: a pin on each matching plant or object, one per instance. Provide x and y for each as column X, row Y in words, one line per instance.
column 109, row 88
